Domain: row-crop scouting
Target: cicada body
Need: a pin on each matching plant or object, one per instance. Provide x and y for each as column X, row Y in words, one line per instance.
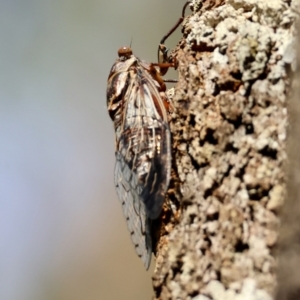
column 136, row 103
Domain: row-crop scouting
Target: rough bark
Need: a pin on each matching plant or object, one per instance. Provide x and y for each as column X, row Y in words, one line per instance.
column 229, row 136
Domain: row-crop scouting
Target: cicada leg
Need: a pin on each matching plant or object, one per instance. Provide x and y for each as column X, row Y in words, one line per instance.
column 162, row 49
column 168, row 104
column 157, row 74
column 162, row 86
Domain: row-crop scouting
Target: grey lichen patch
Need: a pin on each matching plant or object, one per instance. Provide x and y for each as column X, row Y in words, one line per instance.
column 245, row 45
column 229, row 132
column 248, row 46
column 275, row 13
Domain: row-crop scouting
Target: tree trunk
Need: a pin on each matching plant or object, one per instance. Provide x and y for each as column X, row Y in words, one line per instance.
column 229, row 150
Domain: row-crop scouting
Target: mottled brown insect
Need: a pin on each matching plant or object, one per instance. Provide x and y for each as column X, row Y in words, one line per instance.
column 138, row 106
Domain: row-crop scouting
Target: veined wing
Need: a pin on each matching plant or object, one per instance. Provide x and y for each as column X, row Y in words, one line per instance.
column 134, row 210
column 144, row 140
column 142, row 168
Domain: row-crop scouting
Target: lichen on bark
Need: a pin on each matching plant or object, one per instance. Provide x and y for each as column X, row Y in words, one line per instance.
column 228, row 135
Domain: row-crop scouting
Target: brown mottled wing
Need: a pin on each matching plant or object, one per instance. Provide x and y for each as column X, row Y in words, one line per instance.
column 142, row 169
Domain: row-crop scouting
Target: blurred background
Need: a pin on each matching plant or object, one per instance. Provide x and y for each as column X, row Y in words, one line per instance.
column 62, row 231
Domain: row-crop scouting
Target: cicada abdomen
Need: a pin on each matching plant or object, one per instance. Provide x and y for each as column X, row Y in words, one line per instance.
column 136, row 104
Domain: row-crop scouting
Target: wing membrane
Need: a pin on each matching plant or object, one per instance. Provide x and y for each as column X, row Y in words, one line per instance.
column 134, row 210
column 142, row 168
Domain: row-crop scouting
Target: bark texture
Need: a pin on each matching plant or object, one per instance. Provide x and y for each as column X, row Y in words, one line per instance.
column 229, row 136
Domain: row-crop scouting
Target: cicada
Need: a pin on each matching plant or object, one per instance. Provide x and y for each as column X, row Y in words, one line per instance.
column 138, row 105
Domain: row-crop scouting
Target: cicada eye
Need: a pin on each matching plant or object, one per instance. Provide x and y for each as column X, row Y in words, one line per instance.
column 125, row 52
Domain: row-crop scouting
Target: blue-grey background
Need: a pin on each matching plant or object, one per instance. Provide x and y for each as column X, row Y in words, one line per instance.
column 62, row 232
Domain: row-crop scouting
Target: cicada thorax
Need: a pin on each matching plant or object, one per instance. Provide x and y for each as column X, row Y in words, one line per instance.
column 140, row 82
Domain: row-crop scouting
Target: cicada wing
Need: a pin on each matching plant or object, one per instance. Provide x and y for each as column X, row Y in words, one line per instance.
column 154, row 146
column 143, row 161
column 134, row 209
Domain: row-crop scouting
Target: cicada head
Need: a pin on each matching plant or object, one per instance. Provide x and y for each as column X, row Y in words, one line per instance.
column 124, row 53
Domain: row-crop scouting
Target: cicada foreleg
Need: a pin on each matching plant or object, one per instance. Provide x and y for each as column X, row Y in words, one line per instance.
column 155, row 73
column 163, row 57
